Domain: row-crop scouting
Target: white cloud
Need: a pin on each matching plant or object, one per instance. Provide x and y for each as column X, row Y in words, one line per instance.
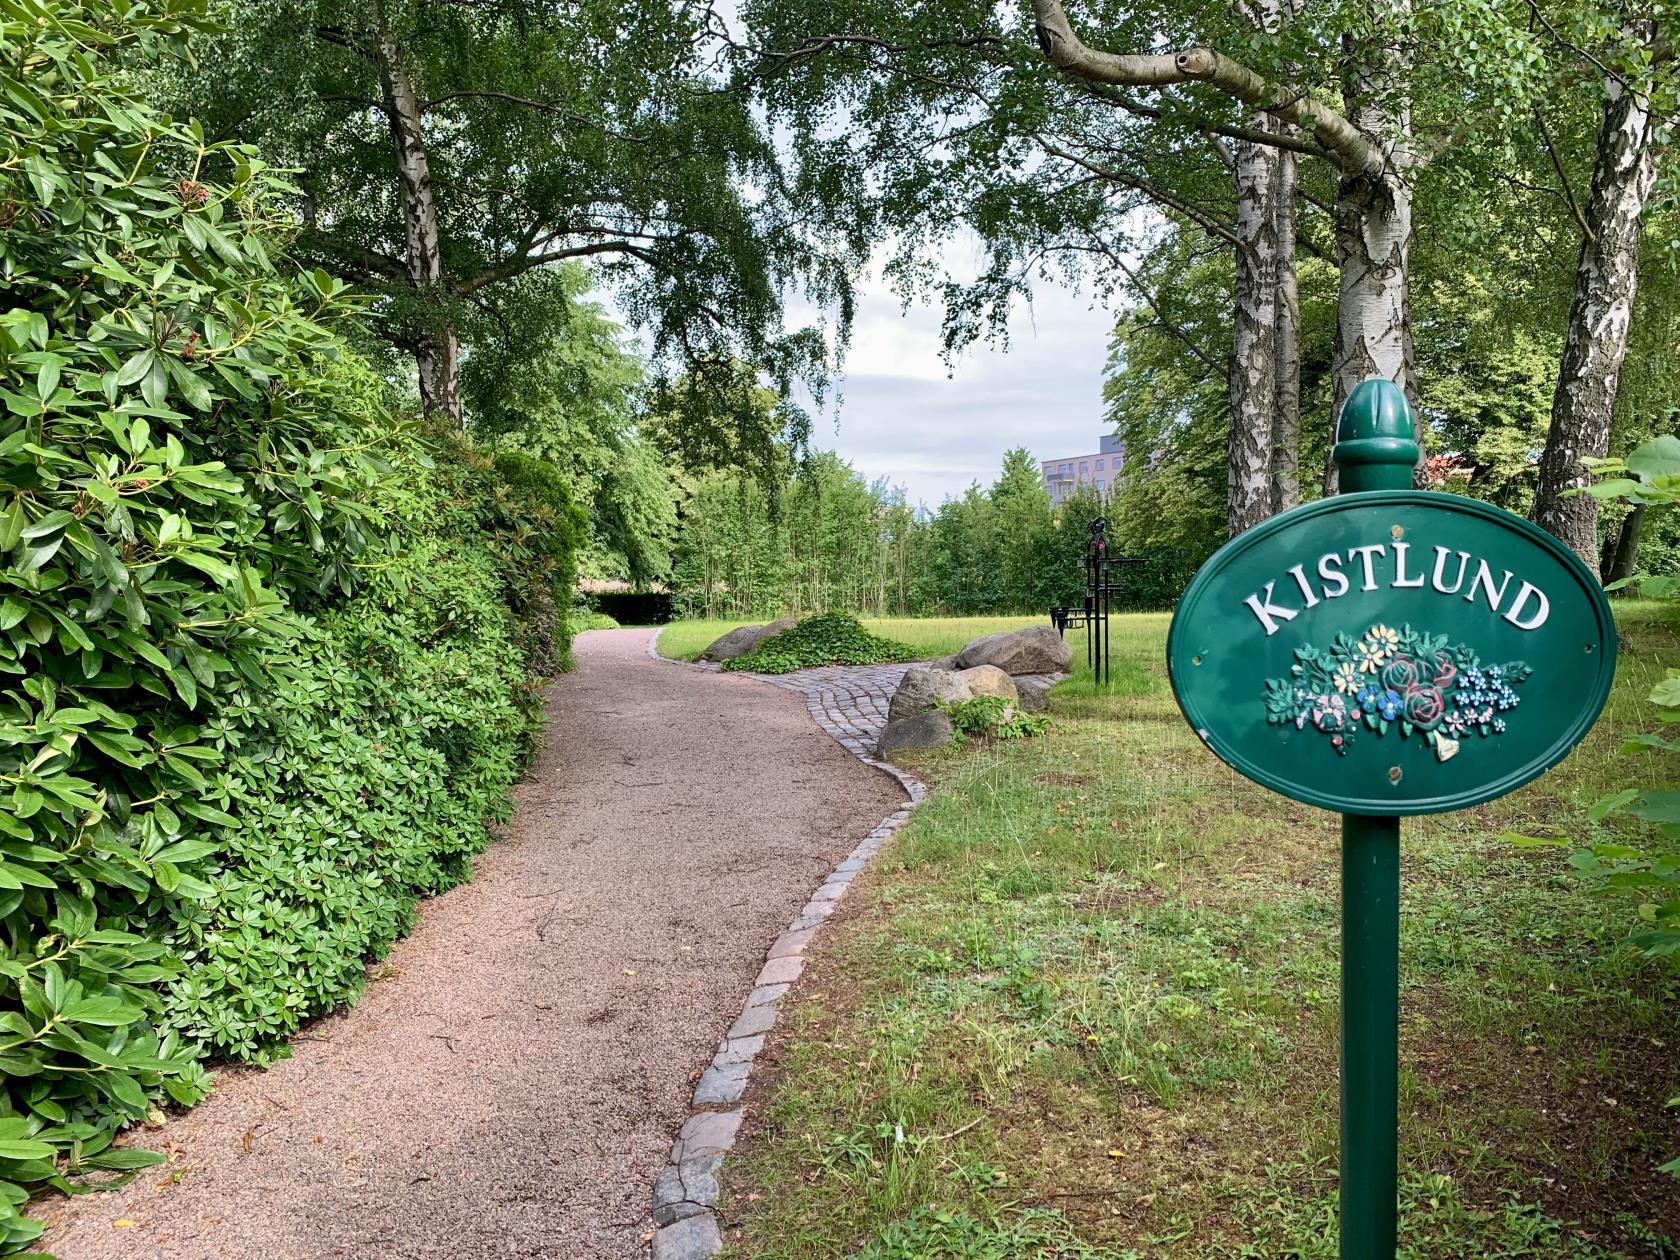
column 904, row 418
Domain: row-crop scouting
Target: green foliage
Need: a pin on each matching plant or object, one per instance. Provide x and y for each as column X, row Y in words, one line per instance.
column 825, row 639
column 585, row 131
column 839, row 541
column 993, row 717
column 1650, row 477
column 572, row 391
column 268, row 658
column 394, row 724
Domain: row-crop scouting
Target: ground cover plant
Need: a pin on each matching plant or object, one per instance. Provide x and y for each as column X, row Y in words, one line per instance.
column 930, row 636
column 1087, row 1005
column 271, row 653
column 825, row 639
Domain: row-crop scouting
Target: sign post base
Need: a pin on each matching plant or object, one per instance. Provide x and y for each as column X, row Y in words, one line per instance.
column 1370, row 1034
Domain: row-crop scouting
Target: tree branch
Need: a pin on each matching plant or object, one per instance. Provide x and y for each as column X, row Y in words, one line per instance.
column 1563, row 179
column 1278, row 140
column 1347, row 146
column 1153, row 191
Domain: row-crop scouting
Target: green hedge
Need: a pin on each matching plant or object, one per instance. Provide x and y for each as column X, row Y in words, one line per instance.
column 268, row 659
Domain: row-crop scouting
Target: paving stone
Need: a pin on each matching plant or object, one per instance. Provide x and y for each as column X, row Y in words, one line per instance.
column 691, row 1239
column 754, row 1021
column 829, row 892
column 738, row 1050
column 699, row 1178
column 722, row 1084
column 789, row 944
column 765, row 994
column 815, row 909
column 781, row 971
column 671, row 1202
column 706, row 1133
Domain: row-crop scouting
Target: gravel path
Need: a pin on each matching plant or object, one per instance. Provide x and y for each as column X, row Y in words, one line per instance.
column 510, row 1084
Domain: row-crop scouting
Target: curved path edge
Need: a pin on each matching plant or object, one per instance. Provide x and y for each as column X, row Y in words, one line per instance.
column 850, row 703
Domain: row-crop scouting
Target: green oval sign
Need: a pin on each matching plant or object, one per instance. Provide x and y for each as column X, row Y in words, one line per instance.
column 1392, row 652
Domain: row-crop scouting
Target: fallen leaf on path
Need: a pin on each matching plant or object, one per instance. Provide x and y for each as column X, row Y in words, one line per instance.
column 629, row 971
column 248, row 1139
column 122, row 1222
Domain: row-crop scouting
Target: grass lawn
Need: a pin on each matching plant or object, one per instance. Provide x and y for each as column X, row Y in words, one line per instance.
column 1086, row 1007
column 939, row 636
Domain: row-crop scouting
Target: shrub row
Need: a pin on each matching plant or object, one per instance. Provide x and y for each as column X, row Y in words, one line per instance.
column 268, row 658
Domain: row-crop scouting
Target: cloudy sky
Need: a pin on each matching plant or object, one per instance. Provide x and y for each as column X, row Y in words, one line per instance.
column 933, row 430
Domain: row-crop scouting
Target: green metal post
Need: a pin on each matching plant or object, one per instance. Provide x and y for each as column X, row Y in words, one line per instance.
column 1370, row 1034
column 1376, row 449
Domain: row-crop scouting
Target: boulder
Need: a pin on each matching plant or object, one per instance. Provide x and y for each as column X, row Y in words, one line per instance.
column 943, row 662
column 743, row 639
column 921, row 689
column 1034, row 650
column 989, row 680
column 932, row 729
column 1034, row 690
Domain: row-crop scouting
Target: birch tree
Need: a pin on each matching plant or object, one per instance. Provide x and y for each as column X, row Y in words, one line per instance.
column 445, row 150
column 1596, row 336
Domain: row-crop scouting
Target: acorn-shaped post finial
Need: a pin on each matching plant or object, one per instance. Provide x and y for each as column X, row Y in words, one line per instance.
column 1376, row 438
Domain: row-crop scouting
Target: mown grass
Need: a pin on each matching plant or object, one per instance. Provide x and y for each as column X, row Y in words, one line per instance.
column 1087, row 1005
column 938, row 636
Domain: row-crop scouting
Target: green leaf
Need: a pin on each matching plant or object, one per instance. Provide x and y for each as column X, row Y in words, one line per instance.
column 1660, row 457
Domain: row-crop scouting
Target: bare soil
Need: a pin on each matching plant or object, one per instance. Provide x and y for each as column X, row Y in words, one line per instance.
column 511, row 1081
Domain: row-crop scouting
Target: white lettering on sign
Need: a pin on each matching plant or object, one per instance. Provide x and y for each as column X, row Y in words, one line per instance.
column 1377, row 565
column 1268, row 610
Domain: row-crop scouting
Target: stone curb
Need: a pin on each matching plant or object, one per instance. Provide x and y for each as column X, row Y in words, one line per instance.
column 686, row 1189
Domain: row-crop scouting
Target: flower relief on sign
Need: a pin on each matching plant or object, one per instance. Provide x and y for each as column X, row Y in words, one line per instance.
column 1389, row 677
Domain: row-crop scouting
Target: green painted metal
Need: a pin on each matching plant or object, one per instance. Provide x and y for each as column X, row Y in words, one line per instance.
column 1391, row 651
column 1344, row 655
column 1370, row 1034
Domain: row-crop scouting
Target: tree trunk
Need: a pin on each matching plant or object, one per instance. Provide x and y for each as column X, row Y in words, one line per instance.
column 1253, row 374
column 1595, row 340
column 1624, row 559
column 437, row 350
column 1374, row 237
column 1286, row 344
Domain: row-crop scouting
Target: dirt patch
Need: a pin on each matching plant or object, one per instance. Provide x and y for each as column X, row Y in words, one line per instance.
column 514, row 1086
column 1587, row 1137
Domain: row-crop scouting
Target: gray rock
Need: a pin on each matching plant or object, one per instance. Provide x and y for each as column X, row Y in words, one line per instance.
column 1034, row 690
column 1034, row 650
column 783, row 970
column 989, row 680
column 927, row 730
column 706, row 1133
column 744, row 639
column 670, row 1200
column 921, row 689
column 753, row 1021
column 699, row 1179
column 721, row 1084
column 691, row 1239
column 738, row 1049
column 943, row 662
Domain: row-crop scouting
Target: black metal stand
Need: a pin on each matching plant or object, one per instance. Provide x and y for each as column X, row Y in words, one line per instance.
column 1100, row 589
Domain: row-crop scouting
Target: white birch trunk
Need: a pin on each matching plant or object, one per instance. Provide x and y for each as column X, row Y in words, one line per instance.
column 1286, row 343
column 1595, row 342
column 1374, row 238
column 437, row 349
column 1253, row 373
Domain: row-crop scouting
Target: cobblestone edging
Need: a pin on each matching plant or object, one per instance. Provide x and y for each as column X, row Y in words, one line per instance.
column 850, row 703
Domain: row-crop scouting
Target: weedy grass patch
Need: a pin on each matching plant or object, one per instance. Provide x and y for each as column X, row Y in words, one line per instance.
column 1092, row 991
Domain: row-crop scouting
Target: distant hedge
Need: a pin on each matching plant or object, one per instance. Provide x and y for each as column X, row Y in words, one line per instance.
column 271, row 657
